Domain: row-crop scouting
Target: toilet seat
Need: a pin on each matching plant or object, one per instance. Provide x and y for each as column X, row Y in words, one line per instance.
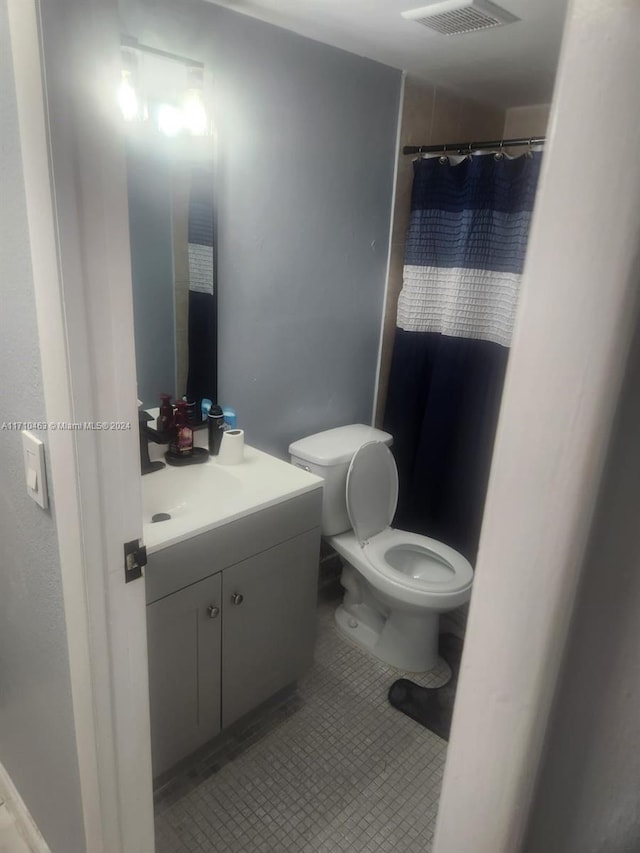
column 406, row 566
column 438, row 568
column 372, row 490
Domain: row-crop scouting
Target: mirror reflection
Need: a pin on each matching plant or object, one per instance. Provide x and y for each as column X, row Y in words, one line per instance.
column 171, row 194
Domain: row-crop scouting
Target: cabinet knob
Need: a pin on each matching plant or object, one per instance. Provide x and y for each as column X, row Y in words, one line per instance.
column 213, row 611
column 237, row 598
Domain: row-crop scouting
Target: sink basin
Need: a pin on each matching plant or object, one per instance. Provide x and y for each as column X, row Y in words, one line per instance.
column 200, row 497
column 188, row 490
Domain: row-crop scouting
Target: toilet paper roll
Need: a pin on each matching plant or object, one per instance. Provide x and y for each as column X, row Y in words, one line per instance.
column 231, row 447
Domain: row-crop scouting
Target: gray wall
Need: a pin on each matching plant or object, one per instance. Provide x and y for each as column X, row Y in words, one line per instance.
column 150, row 223
column 306, row 143
column 37, row 743
column 588, row 794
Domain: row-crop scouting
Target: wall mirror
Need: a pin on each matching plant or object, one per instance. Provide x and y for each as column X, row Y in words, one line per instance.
column 171, row 170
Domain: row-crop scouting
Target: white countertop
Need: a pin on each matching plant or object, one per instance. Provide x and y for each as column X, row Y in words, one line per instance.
column 202, row 497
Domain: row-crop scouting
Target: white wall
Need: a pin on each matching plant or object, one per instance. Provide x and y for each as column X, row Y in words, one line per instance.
column 37, row 739
column 526, row 121
column 588, row 794
column 558, row 502
column 588, row 798
column 306, row 141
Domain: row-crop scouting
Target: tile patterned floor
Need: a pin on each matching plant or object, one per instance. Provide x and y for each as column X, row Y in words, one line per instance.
column 332, row 768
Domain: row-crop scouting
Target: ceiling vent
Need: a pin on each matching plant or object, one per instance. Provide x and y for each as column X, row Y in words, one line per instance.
column 451, row 17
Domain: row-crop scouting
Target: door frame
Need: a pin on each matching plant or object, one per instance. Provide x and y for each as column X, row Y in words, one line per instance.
column 73, row 158
column 67, row 66
column 576, row 317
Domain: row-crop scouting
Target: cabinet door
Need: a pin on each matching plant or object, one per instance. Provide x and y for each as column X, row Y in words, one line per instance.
column 184, row 638
column 268, row 634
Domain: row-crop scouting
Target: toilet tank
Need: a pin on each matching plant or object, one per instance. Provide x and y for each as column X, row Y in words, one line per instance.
column 328, row 454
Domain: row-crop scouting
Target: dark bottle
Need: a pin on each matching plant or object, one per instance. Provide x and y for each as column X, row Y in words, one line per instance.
column 216, row 427
column 165, row 415
column 182, row 438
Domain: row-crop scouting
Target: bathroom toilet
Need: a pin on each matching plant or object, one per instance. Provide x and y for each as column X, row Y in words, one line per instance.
column 396, row 583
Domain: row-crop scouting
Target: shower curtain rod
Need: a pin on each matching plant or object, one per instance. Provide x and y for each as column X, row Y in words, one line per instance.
column 460, row 147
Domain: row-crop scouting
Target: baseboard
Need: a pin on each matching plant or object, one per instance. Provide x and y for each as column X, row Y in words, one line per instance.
column 24, row 821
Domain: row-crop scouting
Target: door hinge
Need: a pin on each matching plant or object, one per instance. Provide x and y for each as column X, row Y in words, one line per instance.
column 135, row 557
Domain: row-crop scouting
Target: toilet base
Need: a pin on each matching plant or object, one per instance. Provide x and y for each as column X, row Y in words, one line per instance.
column 406, row 641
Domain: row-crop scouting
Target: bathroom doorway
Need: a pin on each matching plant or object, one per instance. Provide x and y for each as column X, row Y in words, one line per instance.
column 117, row 661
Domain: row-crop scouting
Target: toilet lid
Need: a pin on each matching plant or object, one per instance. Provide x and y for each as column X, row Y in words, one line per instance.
column 372, row 490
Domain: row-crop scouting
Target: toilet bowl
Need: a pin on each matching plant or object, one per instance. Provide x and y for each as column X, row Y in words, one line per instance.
column 396, row 582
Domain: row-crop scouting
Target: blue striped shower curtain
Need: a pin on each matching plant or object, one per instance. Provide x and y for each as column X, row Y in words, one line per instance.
column 465, row 249
column 202, row 378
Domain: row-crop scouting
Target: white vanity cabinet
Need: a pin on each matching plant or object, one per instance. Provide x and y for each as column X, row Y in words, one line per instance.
column 268, row 625
column 185, row 644
column 230, row 621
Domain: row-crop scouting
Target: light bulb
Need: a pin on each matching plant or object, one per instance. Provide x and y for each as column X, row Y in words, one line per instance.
column 170, row 120
column 127, row 98
column 194, row 113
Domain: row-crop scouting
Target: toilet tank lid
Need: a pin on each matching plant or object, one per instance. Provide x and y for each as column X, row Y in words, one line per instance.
column 334, row 446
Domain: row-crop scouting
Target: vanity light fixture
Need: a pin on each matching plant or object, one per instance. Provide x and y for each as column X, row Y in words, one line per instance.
column 170, row 120
column 194, row 113
column 127, row 96
column 170, row 85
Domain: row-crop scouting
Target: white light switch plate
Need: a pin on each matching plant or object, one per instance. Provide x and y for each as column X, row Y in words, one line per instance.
column 34, row 468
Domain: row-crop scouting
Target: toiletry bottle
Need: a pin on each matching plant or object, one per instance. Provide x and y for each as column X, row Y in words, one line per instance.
column 216, row 426
column 205, row 408
column 192, row 412
column 230, row 417
column 182, row 440
column 165, row 415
